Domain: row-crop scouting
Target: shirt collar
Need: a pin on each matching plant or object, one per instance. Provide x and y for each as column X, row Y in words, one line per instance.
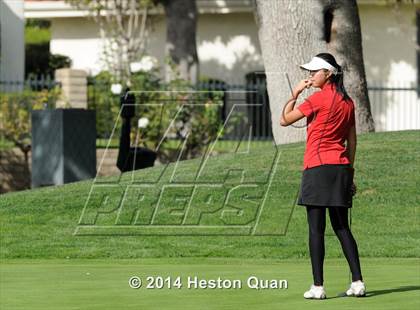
column 328, row 86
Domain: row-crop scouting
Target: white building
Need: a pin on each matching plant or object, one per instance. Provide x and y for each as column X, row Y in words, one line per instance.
column 228, row 46
column 12, row 48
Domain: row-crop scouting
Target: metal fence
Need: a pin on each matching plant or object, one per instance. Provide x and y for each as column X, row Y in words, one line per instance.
column 394, row 107
column 33, row 83
column 245, row 107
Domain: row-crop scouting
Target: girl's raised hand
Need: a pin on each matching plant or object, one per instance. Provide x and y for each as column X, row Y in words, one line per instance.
column 301, row 86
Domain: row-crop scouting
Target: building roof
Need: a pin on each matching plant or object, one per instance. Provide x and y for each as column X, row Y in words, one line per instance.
column 60, row 9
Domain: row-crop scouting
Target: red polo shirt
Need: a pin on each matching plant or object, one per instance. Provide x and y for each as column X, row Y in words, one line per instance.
column 329, row 119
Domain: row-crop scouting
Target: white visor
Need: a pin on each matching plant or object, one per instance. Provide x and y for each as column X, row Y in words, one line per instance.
column 318, row 63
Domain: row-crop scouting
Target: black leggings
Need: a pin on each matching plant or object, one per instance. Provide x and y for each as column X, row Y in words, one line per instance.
column 340, row 225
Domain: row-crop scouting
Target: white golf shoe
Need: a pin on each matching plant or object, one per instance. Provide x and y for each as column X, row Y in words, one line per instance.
column 357, row 289
column 315, row 292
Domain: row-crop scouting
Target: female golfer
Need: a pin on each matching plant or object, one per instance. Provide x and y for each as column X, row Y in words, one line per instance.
column 327, row 178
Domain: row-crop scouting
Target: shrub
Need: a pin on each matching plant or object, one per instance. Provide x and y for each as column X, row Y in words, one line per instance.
column 103, row 102
column 15, row 115
column 184, row 116
column 38, row 59
column 57, row 61
column 173, row 116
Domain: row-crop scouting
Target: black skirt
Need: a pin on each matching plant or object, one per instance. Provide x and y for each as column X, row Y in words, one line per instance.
column 327, row 185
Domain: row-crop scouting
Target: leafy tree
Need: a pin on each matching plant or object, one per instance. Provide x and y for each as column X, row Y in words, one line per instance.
column 123, row 27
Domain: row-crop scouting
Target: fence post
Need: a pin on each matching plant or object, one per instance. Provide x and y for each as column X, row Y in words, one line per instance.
column 73, row 88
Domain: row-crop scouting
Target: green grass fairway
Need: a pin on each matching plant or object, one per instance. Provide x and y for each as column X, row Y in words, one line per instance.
column 40, row 223
column 44, row 264
column 103, row 284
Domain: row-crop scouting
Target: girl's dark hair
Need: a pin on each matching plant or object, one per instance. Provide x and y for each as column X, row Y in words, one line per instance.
column 336, row 79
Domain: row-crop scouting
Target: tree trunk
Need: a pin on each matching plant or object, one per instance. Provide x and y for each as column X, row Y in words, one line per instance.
column 291, row 32
column 345, row 43
column 181, row 47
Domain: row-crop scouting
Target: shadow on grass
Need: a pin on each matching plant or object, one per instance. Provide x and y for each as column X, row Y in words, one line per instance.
column 381, row 292
column 393, row 290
